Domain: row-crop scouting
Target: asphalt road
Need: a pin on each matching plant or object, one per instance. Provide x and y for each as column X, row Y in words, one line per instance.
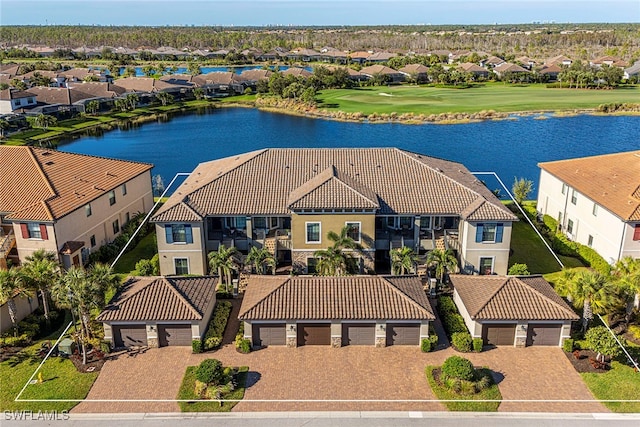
column 322, row 419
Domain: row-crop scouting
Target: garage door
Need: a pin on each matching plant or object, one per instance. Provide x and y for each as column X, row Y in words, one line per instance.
column 314, row 334
column 358, row 334
column 541, row 334
column 129, row 335
column 264, row 335
column 499, row 334
column 403, row 334
column 174, row 335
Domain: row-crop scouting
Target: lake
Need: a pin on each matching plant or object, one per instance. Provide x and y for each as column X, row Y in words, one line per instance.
column 511, row 148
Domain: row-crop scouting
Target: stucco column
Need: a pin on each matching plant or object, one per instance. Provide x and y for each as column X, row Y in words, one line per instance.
column 292, row 334
column 336, row 334
column 381, row 334
column 249, row 231
column 152, row 335
column 521, row 334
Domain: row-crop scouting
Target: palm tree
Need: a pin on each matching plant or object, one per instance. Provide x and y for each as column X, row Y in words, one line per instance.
column 261, row 259
column 443, row 261
column 41, row 270
column 590, row 290
column 44, row 121
column 343, row 240
column 164, row 98
column 92, row 106
column 331, row 261
column 224, row 260
column 132, row 100
column 403, row 260
column 627, row 273
column 12, row 284
column 4, row 125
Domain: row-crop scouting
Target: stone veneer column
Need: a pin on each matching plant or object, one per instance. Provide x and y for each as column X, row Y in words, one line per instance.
column 292, row 335
column 521, row 335
column 336, row 334
column 152, row 335
column 381, row 335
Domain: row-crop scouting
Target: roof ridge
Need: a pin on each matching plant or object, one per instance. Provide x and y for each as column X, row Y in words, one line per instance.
column 189, row 207
column 338, row 174
column 136, row 279
column 268, row 294
column 555, row 303
column 395, row 288
column 41, row 171
column 176, row 291
column 491, row 297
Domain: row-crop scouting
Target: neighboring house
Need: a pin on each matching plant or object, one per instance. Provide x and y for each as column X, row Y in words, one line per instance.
column 56, row 79
column 476, row 70
column 148, row 85
column 67, row 203
column 287, row 200
column 220, row 83
column 303, row 54
column 492, row 62
column 633, row 71
column 526, row 62
column 611, row 61
column 159, row 311
column 251, row 77
column 60, row 95
column 515, row 311
column 551, row 71
column 359, row 57
column 382, row 70
column 12, row 100
column 333, row 55
column 297, row 72
column 24, row 306
column 559, row 60
column 508, row 68
column 335, row 311
column 596, row 201
column 380, row 57
column 417, row 71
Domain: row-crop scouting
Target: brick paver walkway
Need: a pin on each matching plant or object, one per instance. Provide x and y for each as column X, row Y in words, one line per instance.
column 323, row 373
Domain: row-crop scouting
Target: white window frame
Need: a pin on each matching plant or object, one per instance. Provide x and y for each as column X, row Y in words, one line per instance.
column 35, row 233
column 112, row 197
column 495, row 231
column 590, row 241
column 174, row 265
column 574, row 197
column 124, row 189
column 306, row 233
column 493, row 264
column 570, row 226
column 359, row 223
column 564, row 188
column 87, row 210
column 594, row 211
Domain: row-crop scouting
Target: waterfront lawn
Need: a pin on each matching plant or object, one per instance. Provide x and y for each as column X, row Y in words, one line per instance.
column 489, row 96
column 61, row 380
column 620, row 383
column 146, row 249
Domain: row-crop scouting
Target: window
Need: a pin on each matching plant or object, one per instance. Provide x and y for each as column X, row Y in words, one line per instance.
column 274, row 222
column 406, row 222
column 486, row 266
column 313, row 232
column 181, row 265
column 127, row 218
column 594, row 211
column 116, row 227
column 124, row 189
column 570, row 226
column 87, row 209
column 18, row 102
column 489, row 233
column 425, row 223
column 353, row 231
column 178, row 233
column 112, row 198
column 574, row 197
column 636, row 232
column 312, row 264
column 259, row 222
column 590, row 241
column 92, row 239
column 34, row 230
column 564, row 188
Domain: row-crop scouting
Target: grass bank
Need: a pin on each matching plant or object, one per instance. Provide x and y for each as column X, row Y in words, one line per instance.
column 498, row 97
column 145, row 249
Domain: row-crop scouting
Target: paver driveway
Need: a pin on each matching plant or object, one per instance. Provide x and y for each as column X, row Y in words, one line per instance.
column 317, row 373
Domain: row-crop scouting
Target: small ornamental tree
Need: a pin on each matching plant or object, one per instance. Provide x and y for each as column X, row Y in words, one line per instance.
column 209, row 371
column 519, row 270
column 600, row 340
column 521, row 189
column 459, row 368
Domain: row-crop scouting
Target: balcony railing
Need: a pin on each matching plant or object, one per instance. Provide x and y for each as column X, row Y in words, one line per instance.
column 7, row 242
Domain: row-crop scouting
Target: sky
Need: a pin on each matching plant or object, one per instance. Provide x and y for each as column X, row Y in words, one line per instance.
column 313, row 12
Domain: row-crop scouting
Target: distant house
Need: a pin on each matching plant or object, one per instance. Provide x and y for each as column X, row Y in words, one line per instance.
column 512, row 311
column 611, row 61
column 297, row 72
column 507, row 68
column 55, row 78
column 380, row 57
column 303, row 54
column 551, row 71
column 359, row 57
column 220, row 83
column 492, row 62
column 417, row 71
column 526, row 62
column 69, row 204
column 12, row 100
column 373, row 71
column 251, row 77
column 596, row 201
column 633, row 71
column 333, row 56
column 476, row 70
column 559, row 60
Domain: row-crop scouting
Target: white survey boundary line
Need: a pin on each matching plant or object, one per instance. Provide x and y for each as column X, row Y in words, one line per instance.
column 635, row 364
column 523, row 213
column 151, row 211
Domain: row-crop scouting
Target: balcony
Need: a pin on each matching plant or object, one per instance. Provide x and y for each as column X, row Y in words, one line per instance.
column 7, row 243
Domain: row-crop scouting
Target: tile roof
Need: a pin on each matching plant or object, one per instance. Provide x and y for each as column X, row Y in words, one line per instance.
column 345, row 297
column 507, row 67
column 39, row 184
column 298, row 72
column 610, row 180
column 414, row 68
column 71, row 246
column 144, row 84
column 510, row 298
column 59, row 95
column 472, row 68
column 8, row 94
column 403, row 183
column 161, row 298
column 377, row 69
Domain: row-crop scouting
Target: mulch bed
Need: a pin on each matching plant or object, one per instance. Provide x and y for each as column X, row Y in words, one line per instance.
column 583, row 362
column 93, row 364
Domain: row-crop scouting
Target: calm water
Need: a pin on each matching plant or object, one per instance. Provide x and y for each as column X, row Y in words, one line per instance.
column 511, row 148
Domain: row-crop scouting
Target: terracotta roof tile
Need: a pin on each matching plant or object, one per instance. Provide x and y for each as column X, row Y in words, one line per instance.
column 71, row 246
column 414, row 68
column 403, row 183
column 39, row 184
column 324, row 298
column 610, row 180
column 510, row 298
column 161, row 298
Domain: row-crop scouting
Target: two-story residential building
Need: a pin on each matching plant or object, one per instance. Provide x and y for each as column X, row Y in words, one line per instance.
column 66, row 203
column 596, row 201
column 12, row 100
column 288, row 200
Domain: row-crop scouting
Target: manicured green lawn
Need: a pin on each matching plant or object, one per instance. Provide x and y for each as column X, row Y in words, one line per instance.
column 187, row 392
column 442, row 393
column 146, row 249
column 61, row 381
column 490, row 96
column 621, row 382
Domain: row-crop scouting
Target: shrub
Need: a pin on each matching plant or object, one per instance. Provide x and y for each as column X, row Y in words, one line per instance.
column 8, row 340
column 461, row 341
column 243, row 346
column 433, row 339
column 144, row 267
column 425, row 345
column 567, row 345
column 593, row 259
column 213, row 337
column 635, row 331
column 519, row 270
column 477, row 345
column 209, row 371
column 200, row 388
column 459, row 368
column 196, row 346
column 446, row 305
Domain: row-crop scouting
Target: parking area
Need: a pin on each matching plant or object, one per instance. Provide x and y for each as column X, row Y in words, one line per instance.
column 316, row 377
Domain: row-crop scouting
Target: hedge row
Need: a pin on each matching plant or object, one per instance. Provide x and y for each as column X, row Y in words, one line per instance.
column 108, row 252
column 451, row 319
column 30, row 327
column 213, row 337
